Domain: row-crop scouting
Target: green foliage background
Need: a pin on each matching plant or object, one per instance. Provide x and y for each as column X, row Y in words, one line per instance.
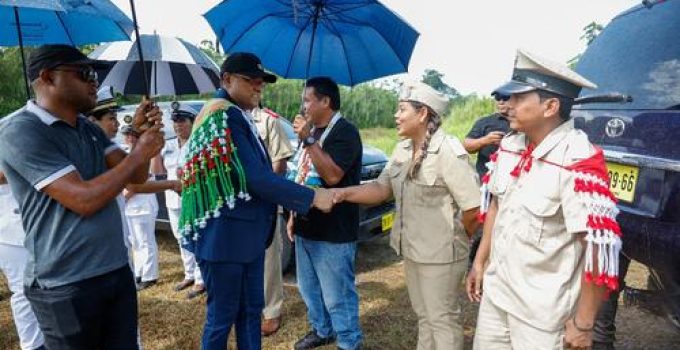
column 12, row 92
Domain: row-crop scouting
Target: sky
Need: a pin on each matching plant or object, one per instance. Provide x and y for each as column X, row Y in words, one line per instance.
column 472, row 42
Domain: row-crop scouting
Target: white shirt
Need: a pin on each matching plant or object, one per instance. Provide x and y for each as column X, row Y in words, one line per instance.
column 11, row 229
column 173, row 157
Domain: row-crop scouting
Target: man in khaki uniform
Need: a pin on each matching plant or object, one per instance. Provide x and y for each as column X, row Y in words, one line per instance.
column 437, row 203
column 535, row 238
column 279, row 149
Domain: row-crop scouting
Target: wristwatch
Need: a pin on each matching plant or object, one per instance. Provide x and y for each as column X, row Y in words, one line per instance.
column 308, row 141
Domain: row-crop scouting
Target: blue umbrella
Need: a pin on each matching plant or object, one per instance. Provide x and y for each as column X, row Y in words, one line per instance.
column 72, row 22
column 352, row 41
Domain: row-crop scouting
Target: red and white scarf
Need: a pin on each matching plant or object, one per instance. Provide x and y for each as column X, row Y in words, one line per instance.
column 591, row 182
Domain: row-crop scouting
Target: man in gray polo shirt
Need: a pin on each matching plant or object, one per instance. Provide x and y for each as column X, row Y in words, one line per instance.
column 66, row 174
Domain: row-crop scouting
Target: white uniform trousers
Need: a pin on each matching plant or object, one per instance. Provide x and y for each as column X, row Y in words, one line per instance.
column 13, row 263
column 191, row 270
column 145, row 249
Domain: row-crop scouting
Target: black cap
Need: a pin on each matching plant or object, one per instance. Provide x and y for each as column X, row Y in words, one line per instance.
column 52, row 56
column 247, row 64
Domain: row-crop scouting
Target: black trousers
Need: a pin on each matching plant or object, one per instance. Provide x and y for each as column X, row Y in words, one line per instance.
column 604, row 330
column 96, row 313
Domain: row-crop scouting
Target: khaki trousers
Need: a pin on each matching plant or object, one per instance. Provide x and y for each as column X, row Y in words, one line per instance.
column 433, row 290
column 273, row 276
column 499, row 330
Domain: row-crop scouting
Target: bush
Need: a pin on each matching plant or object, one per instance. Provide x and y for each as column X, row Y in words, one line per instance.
column 464, row 112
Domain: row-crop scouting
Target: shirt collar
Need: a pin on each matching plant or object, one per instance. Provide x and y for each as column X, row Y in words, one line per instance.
column 519, row 143
column 256, row 114
column 554, row 137
column 46, row 117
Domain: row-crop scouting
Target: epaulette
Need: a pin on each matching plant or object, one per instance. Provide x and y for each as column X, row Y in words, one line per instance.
column 456, row 146
column 271, row 113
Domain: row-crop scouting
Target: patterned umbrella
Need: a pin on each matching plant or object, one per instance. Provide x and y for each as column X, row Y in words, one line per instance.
column 173, row 67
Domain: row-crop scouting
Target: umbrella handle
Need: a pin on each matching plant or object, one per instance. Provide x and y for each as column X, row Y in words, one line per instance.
column 21, row 49
column 139, row 48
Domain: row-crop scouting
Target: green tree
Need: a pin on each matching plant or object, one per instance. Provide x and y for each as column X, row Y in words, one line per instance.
column 589, row 34
column 433, row 78
column 208, row 47
column 591, row 31
column 12, row 91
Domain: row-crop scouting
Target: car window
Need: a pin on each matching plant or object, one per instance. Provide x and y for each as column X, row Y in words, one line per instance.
column 637, row 54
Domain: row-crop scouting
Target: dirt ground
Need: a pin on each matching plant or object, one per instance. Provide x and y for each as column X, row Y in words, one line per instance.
column 170, row 322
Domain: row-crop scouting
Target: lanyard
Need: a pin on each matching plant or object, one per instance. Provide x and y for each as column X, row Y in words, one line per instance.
column 304, row 172
column 330, row 126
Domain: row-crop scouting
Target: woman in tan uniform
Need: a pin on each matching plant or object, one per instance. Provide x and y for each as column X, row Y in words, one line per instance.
column 432, row 183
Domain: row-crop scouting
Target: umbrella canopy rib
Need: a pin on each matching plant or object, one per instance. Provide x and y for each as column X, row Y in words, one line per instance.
column 297, row 41
column 251, row 26
column 68, row 35
column 333, row 29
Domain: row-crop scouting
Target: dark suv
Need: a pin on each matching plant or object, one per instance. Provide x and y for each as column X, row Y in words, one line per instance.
column 374, row 221
column 638, row 54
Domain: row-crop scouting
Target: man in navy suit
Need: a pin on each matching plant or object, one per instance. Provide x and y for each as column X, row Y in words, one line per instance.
column 230, row 242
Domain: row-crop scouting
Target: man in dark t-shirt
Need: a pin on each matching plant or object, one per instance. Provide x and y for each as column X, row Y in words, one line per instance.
column 484, row 137
column 325, row 245
column 486, row 134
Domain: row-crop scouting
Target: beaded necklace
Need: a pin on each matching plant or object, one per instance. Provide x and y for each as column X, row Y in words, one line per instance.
column 304, row 172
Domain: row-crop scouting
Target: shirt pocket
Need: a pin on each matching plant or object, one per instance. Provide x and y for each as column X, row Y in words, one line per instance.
column 540, row 212
column 429, row 191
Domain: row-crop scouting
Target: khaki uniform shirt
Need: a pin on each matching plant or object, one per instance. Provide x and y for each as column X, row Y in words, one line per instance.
column 536, row 257
column 275, row 139
column 427, row 227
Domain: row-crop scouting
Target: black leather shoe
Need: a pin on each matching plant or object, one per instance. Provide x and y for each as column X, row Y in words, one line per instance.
column 602, row 346
column 196, row 290
column 145, row 284
column 312, row 341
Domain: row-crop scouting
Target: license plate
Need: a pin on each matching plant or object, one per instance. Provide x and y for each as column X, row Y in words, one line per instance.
column 622, row 181
column 387, row 221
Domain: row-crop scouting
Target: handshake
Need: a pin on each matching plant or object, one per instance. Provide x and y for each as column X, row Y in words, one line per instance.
column 325, row 199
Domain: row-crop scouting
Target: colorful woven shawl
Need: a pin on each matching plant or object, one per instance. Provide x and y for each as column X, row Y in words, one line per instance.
column 212, row 175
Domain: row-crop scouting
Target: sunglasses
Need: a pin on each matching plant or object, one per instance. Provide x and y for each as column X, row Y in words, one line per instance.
column 85, row 73
column 499, row 97
column 251, row 81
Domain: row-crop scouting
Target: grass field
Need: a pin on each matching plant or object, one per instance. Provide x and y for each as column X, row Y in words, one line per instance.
column 169, row 322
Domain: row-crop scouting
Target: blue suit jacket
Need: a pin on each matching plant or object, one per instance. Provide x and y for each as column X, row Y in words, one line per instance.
column 241, row 235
